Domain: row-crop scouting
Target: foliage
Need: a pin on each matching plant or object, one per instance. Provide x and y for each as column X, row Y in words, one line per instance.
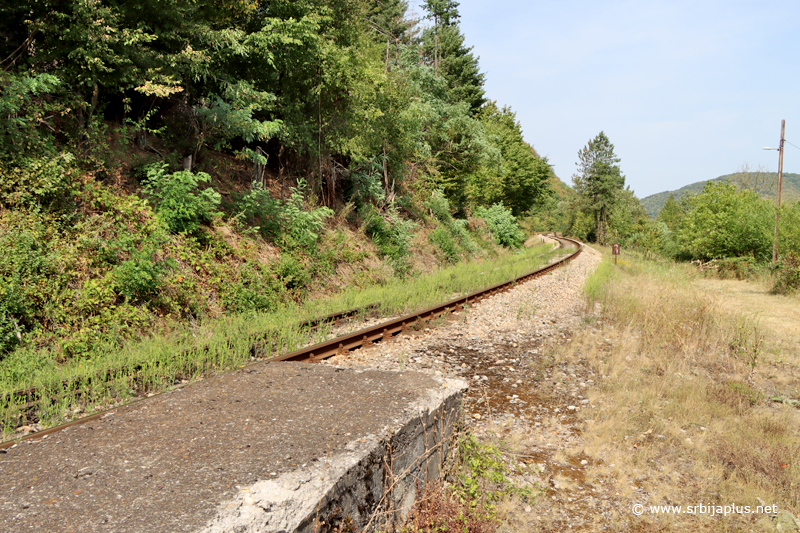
column 598, row 182
column 42, row 181
column 444, row 241
column 256, row 289
column 286, row 222
column 303, row 226
column 672, row 213
column 222, row 119
column 789, row 237
column 24, row 109
column 451, row 236
column 140, row 278
column 502, row 224
column 516, row 176
column 725, row 222
column 391, row 235
column 179, row 203
column 764, row 183
column 787, row 278
column 481, row 481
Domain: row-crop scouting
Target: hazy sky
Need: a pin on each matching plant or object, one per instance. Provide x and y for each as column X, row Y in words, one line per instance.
column 686, row 90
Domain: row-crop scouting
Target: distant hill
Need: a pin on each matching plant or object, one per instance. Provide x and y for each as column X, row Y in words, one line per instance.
column 764, row 183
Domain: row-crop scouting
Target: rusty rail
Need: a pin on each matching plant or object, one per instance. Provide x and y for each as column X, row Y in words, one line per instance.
column 355, row 340
column 351, row 341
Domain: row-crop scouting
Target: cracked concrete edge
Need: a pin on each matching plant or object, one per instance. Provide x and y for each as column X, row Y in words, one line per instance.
column 299, row 501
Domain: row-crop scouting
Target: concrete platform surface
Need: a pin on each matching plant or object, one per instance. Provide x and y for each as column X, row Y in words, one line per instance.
column 272, row 447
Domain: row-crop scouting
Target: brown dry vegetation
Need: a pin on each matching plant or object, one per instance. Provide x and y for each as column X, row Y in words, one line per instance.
column 682, row 414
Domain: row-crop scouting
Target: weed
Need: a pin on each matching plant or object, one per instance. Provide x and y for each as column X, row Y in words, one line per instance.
column 481, row 480
column 179, row 202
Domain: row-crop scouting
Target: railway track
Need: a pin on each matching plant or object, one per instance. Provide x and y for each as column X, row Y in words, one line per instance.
column 385, row 330
column 347, row 342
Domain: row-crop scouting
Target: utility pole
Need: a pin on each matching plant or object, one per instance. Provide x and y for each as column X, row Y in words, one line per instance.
column 780, row 184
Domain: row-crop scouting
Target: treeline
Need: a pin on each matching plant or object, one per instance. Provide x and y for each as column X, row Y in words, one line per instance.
column 352, row 95
column 148, row 150
column 728, row 222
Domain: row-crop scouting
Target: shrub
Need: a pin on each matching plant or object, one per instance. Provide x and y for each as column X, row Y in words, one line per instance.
column 254, row 290
column 304, row 227
column 442, row 239
column 25, row 268
column 456, row 229
column 502, row 224
column 24, row 109
column 365, row 182
column 788, row 275
column 725, row 222
column 36, row 181
column 292, row 273
column 736, row 268
column 139, row 279
column 287, row 223
column 179, row 202
column 391, row 234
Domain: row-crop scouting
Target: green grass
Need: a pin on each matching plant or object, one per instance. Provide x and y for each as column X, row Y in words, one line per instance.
column 186, row 352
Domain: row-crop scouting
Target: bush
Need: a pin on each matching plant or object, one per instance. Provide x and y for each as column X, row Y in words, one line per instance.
column 502, row 224
column 456, row 230
column 36, row 181
column 286, row 223
column 736, row 268
column 24, row 107
column 391, row 234
column 442, row 239
column 254, row 290
column 25, row 269
column 788, row 275
column 179, row 202
column 139, row 279
column 725, row 222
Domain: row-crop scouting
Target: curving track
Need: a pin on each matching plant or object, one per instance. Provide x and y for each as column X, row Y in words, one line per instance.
column 367, row 336
column 351, row 341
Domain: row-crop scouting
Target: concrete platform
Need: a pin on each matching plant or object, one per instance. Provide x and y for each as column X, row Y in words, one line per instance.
column 273, row 447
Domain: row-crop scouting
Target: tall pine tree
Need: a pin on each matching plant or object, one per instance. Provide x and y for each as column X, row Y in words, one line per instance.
column 598, row 181
column 443, row 45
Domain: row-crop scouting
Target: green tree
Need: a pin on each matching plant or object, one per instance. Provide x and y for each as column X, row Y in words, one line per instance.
column 598, row 182
column 443, row 46
column 444, row 13
column 516, row 176
column 722, row 222
column 672, row 213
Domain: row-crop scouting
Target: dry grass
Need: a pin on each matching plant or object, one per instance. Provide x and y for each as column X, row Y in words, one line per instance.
column 438, row 511
column 682, row 410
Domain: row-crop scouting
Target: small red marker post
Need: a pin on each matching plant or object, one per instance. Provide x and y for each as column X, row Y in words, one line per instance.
column 615, row 251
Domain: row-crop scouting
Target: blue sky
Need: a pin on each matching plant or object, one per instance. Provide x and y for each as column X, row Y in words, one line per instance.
column 686, row 90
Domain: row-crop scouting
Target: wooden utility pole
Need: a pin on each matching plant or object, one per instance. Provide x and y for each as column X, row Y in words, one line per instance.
column 780, row 184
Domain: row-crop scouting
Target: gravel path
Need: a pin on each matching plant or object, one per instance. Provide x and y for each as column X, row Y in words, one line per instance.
column 501, row 346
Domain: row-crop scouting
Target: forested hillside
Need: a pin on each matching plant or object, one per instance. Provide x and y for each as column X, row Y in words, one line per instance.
column 764, row 183
column 167, row 163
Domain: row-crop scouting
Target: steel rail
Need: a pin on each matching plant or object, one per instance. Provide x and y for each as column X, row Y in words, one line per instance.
column 25, row 399
column 367, row 336
column 351, row 341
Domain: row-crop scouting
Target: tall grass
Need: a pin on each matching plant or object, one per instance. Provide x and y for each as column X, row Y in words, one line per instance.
column 680, row 392
column 185, row 353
